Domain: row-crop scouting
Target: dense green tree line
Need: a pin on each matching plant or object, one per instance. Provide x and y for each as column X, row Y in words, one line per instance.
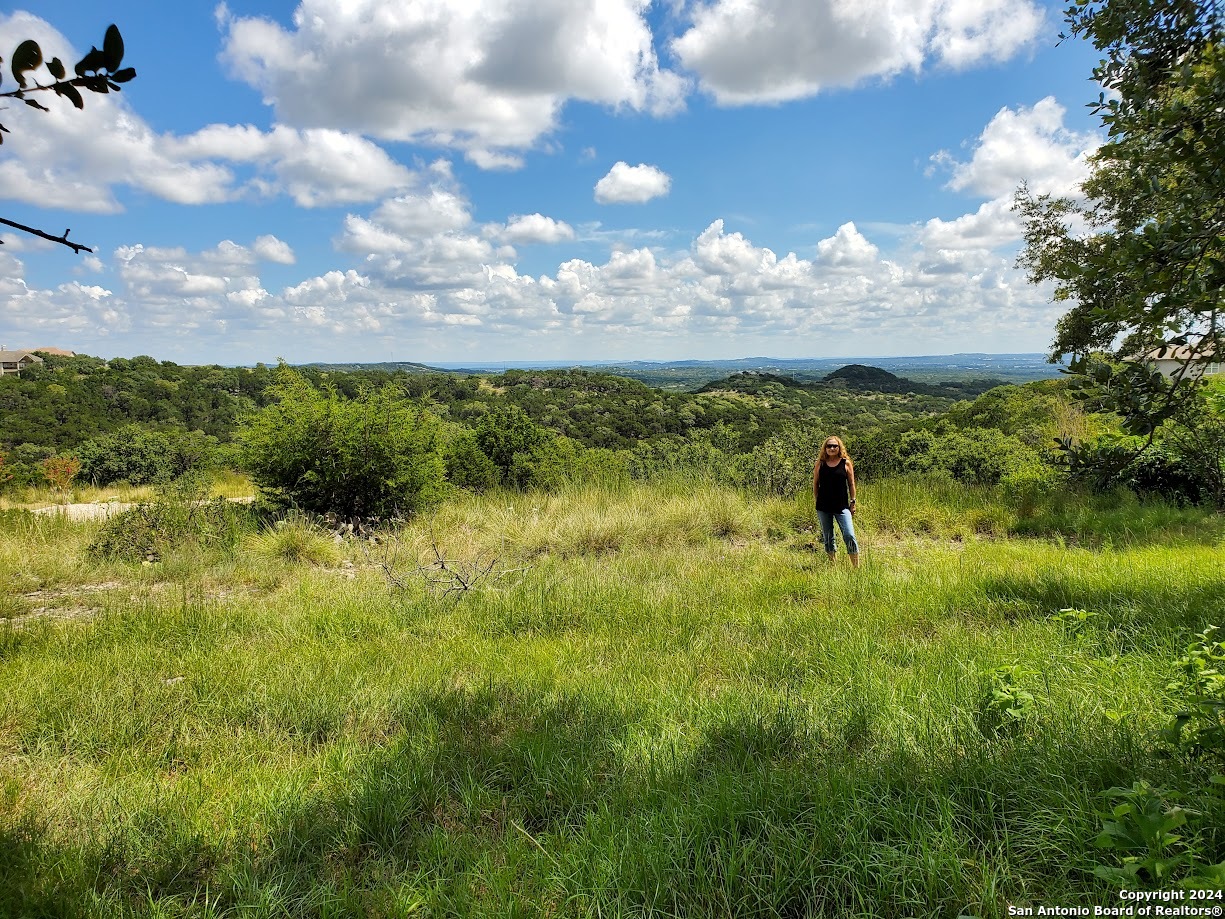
column 70, row 400
column 304, row 432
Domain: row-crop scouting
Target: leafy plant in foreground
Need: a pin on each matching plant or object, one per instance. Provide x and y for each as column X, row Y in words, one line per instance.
column 1074, row 620
column 1200, row 726
column 1006, row 706
column 1141, row 829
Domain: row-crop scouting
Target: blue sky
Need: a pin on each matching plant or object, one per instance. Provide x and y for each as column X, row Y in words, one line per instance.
column 431, row 180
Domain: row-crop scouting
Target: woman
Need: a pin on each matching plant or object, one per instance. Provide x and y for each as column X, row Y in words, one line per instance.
column 833, row 490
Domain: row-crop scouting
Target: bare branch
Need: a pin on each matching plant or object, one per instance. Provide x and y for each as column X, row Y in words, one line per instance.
column 62, row 240
column 443, row 576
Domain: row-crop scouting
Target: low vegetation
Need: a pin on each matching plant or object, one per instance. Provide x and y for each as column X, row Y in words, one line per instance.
column 556, row 643
column 662, row 700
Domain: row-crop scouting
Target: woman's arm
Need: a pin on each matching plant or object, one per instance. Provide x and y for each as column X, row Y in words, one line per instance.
column 850, row 484
column 816, row 480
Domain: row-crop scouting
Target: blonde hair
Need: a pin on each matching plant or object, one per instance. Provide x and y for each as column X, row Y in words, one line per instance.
column 841, row 449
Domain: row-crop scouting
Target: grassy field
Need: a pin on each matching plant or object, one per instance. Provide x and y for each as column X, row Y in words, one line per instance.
column 658, row 701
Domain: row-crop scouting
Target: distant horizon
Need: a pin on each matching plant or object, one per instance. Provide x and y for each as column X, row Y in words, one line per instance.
column 576, row 362
column 448, row 365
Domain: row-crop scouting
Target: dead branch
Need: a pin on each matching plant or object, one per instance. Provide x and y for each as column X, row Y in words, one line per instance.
column 62, row 240
column 443, row 577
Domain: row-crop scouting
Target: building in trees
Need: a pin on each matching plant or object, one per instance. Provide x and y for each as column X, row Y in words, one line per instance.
column 1193, row 361
column 13, row 362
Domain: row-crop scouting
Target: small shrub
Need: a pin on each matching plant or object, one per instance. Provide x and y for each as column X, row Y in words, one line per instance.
column 372, row 456
column 783, row 465
column 1141, row 830
column 1115, row 462
column 138, row 456
column 59, row 471
column 467, row 465
column 23, row 466
column 675, row 459
column 179, row 516
column 510, row 439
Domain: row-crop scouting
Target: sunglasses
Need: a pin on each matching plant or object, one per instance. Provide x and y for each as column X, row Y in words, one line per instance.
column 831, row 446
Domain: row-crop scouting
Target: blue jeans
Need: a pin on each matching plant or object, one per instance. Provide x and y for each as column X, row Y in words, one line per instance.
column 844, row 524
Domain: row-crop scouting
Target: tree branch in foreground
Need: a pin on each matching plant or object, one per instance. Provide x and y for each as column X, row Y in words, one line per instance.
column 62, row 240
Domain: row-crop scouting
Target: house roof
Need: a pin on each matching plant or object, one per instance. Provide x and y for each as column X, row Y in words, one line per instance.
column 14, row 356
column 1201, row 351
column 58, row 352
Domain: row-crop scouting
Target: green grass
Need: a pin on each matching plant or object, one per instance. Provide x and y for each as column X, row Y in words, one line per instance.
column 669, row 704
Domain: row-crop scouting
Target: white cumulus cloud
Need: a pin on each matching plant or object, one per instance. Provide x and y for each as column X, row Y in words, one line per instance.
column 626, row 184
column 847, row 247
column 76, row 160
column 484, row 76
column 535, row 228
column 271, row 249
column 1028, row 144
column 746, row 51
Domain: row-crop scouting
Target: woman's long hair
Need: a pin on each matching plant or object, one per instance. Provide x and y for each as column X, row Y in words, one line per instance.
column 842, row 454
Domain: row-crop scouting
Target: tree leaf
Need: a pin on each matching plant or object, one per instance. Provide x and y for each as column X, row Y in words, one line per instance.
column 56, row 66
column 125, row 75
column 28, row 56
column 34, row 103
column 70, row 92
column 112, row 48
column 95, row 60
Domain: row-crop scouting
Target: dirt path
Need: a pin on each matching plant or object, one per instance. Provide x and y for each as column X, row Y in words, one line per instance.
column 97, row 511
column 100, row 510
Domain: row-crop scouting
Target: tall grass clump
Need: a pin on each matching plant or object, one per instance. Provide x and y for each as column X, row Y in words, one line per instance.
column 1120, row 517
column 295, row 539
column 933, row 508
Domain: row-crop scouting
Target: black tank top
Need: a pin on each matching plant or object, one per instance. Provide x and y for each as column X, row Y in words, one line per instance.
column 832, row 491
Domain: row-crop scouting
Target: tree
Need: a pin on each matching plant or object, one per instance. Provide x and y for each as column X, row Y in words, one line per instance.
column 98, row 72
column 59, row 471
column 511, row 440
column 1142, row 259
column 374, row 455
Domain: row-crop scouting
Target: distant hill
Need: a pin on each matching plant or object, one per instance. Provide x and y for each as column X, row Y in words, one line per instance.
column 874, row 379
column 385, row 366
column 967, row 374
column 859, row 377
column 756, row 382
